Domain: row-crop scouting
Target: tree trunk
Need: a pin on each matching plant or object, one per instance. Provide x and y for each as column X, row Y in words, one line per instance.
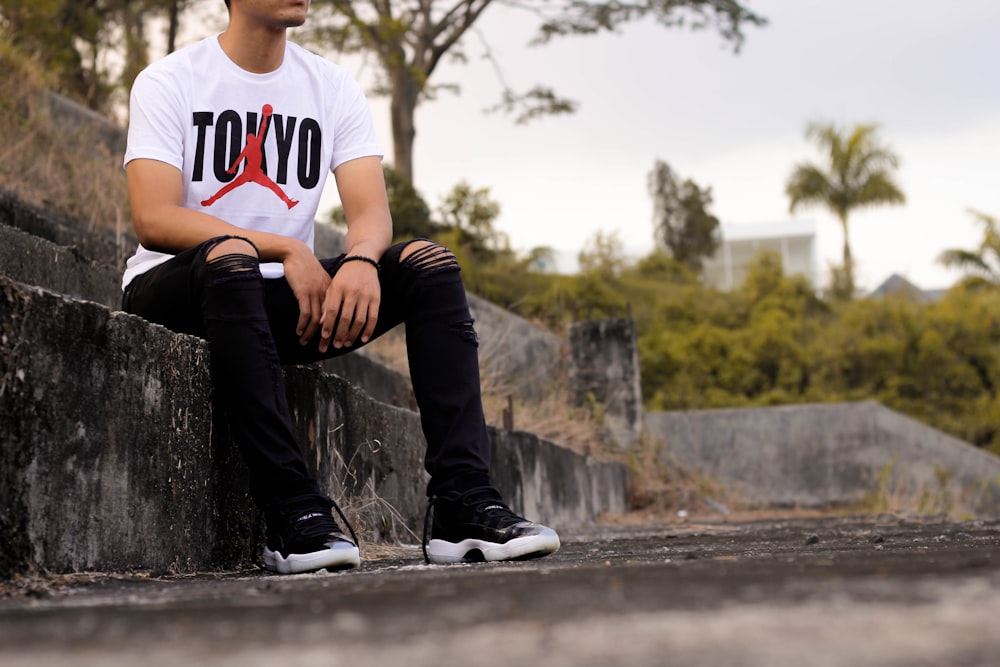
column 173, row 24
column 848, row 261
column 405, row 93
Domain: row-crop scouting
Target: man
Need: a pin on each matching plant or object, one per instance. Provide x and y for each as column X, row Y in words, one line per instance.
column 230, row 142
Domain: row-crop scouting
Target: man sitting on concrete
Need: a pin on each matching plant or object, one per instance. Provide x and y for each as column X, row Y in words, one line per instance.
column 230, row 142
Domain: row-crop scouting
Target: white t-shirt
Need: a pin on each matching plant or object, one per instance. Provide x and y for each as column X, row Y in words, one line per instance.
column 194, row 110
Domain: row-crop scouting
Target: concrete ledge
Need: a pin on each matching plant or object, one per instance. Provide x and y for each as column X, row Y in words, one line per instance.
column 107, row 455
column 33, row 260
column 827, row 454
column 110, row 458
column 100, row 245
column 369, row 374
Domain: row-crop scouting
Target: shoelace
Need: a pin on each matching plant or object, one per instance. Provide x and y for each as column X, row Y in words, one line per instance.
column 347, row 523
column 427, row 516
column 317, row 530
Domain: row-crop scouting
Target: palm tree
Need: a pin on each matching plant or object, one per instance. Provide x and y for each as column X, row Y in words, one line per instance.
column 857, row 174
column 983, row 263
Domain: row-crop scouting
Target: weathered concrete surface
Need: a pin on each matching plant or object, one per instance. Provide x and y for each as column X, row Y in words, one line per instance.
column 84, row 122
column 32, row 260
column 106, row 452
column 109, row 459
column 516, row 353
column 852, row 592
column 829, row 454
column 604, row 368
column 368, row 373
column 98, row 245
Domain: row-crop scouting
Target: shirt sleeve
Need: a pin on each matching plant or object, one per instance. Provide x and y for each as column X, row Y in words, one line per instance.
column 155, row 129
column 354, row 135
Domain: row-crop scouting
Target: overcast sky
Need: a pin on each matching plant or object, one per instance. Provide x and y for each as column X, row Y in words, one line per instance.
column 925, row 71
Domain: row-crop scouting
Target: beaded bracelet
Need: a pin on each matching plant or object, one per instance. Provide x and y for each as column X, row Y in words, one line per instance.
column 361, row 258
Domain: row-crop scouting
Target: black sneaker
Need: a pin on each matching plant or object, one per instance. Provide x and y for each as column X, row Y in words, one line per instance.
column 478, row 526
column 302, row 536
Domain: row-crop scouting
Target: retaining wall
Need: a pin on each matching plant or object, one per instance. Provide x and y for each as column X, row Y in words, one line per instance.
column 829, row 454
column 110, row 457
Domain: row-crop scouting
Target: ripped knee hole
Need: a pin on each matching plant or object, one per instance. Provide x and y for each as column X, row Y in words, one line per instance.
column 431, row 258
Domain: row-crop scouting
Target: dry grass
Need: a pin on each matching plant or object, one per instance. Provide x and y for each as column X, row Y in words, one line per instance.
column 661, row 486
column 893, row 495
column 55, row 164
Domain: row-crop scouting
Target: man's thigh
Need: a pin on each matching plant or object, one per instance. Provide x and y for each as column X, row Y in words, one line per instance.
column 164, row 295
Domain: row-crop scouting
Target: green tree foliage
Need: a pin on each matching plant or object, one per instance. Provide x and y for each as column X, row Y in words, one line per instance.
column 60, row 35
column 411, row 38
column 773, row 341
column 857, row 172
column 464, row 221
column 411, row 216
column 491, row 268
column 939, row 362
column 982, row 263
column 681, row 221
column 748, row 347
column 92, row 48
column 471, row 213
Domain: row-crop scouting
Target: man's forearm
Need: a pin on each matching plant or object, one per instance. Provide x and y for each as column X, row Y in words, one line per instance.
column 176, row 228
column 163, row 224
column 369, row 235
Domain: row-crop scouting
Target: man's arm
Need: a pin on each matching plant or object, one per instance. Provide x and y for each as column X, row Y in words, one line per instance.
column 352, row 300
column 162, row 223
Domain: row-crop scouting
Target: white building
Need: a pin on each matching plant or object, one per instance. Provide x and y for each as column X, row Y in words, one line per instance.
column 794, row 241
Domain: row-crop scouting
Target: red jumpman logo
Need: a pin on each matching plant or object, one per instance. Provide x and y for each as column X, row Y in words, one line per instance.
column 253, row 172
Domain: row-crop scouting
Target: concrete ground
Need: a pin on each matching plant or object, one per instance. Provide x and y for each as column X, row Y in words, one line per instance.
column 814, row 591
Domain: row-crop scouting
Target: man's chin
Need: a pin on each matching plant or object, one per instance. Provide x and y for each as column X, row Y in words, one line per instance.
column 296, row 16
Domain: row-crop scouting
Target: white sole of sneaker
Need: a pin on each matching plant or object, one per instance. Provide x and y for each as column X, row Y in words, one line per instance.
column 340, row 556
column 441, row 552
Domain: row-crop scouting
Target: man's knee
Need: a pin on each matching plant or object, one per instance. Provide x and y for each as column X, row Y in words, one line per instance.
column 427, row 258
column 232, row 257
column 230, row 245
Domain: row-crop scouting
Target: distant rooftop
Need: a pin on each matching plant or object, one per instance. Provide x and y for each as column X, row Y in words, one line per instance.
column 897, row 285
column 769, row 230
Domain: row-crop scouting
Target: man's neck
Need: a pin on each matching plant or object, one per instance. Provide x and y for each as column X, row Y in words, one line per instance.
column 258, row 49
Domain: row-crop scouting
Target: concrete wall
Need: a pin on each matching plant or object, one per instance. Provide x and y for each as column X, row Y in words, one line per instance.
column 515, row 353
column 76, row 118
column 110, row 457
column 106, row 452
column 604, row 368
column 829, row 454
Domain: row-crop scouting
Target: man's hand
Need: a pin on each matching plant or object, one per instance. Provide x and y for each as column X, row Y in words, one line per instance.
column 351, row 306
column 309, row 282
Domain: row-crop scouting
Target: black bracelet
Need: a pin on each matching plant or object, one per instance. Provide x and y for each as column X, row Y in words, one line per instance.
column 360, row 258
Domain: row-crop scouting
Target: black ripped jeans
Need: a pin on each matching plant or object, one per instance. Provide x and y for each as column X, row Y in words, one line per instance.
column 250, row 323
